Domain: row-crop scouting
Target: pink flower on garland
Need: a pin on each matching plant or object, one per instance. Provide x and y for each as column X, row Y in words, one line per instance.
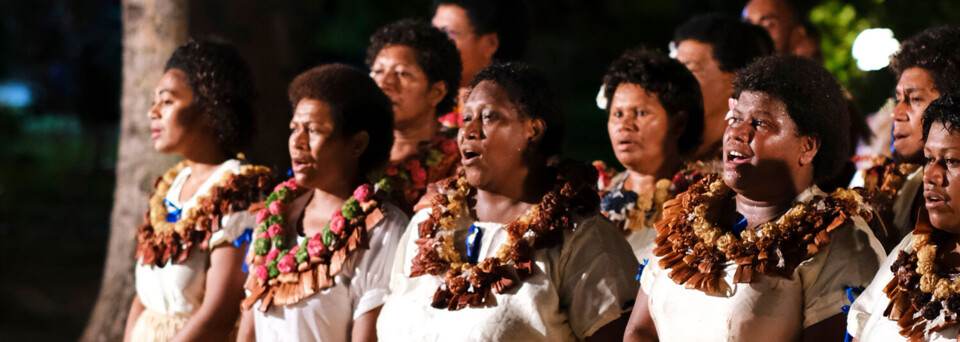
column 292, row 184
column 262, row 215
column 293, row 251
column 419, row 176
column 263, row 235
column 451, row 119
column 273, row 254
column 262, row 272
column 281, row 185
column 315, row 246
column 392, row 171
column 363, row 193
column 413, row 164
column 337, row 222
column 449, row 146
column 274, row 230
column 287, row 264
column 277, row 207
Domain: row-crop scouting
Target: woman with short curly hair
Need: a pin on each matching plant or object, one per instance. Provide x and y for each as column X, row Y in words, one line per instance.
column 189, row 276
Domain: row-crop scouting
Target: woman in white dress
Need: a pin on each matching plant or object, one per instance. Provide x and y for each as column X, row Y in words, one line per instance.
column 326, row 239
column 189, row 275
column 655, row 117
column 511, row 249
column 760, row 253
column 916, row 294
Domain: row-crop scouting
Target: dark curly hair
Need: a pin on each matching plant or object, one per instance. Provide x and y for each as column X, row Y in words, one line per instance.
column 934, row 50
column 222, row 86
column 435, row 53
column 946, row 110
column 813, row 99
column 676, row 89
column 735, row 43
column 356, row 104
column 533, row 96
column 507, row 18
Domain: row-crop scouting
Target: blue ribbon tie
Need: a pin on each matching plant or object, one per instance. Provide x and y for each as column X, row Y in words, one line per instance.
column 474, row 240
column 174, row 214
column 852, row 293
column 640, row 269
column 246, row 237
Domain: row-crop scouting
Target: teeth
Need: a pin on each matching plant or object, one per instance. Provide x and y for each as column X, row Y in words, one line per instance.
column 737, row 154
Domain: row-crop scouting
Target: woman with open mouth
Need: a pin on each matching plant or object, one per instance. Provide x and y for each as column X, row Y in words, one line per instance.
column 759, row 253
column 916, row 294
column 189, row 275
column 418, row 68
column 511, row 249
column 655, row 117
column 325, row 239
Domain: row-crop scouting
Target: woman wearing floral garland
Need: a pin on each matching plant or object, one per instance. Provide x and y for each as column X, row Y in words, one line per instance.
column 188, row 276
column 511, row 249
column 325, row 240
column 760, row 253
column 655, row 117
column 418, row 67
column 927, row 65
column 916, row 294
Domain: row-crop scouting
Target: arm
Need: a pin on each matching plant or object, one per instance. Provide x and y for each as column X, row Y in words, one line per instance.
column 613, row 331
column 830, row 329
column 641, row 327
column 365, row 326
column 136, row 308
column 223, row 292
column 246, row 333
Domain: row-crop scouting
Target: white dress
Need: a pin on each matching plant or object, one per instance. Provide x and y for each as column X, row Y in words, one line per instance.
column 361, row 286
column 866, row 321
column 172, row 293
column 575, row 289
column 771, row 308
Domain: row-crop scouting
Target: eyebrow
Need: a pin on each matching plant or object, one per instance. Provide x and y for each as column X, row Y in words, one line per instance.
column 164, row 91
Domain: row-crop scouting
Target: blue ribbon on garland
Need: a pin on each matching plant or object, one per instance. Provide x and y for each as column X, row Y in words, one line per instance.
column 172, row 215
column 246, row 237
column 474, row 240
column 640, row 269
column 852, row 293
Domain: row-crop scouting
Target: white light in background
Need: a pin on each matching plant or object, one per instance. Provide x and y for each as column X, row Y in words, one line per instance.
column 873, row 47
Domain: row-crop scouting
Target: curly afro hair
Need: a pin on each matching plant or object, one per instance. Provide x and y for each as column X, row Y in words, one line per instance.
column 676, row 89
column 529, row 90
column 946, row 110
column 813, row 99
column 436, row 54
column 507, row 18
column 222, row 86
column 735, row 43
column 356, row 104
column 934, row 50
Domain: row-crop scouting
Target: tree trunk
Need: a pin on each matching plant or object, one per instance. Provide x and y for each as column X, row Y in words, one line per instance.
column 152, row 29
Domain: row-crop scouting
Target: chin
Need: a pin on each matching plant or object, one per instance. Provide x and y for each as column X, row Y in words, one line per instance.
column 475, row 177
column 946, row 222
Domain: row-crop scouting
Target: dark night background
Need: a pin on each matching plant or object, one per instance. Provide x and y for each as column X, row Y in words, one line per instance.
column 60, row 78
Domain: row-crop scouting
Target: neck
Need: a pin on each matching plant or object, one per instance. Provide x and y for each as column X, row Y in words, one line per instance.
column 758, row 212
column 204, row 161
column 506, row 203
column 408, row 135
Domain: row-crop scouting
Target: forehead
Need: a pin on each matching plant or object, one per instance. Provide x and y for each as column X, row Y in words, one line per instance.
column 396, row 54
column 452, row 16
column 758, row 9
column 691, row 50
column 312, row 110
column 760, row 103
column 488, row 93
column 632, row 93
column 940, row 137
column 915, row 78
column 175, row 81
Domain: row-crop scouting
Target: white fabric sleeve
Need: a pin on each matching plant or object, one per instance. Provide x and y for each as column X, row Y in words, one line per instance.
column 597, row 276
column 851, row 259
column 232, row 226
column 866, row 304
column 371, row 281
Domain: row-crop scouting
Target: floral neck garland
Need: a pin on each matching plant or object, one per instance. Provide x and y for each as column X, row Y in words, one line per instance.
column 284, row 275
column 696, row 249
column 542, row 226
column 160, row 241
column 407, row 181
column 630, row 211
column 881, row 182
column 922, row 298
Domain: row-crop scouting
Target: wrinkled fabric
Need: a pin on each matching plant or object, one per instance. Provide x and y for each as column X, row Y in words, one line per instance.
column 575, row 289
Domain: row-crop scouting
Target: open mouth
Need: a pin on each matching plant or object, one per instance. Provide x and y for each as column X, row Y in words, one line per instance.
column 625, row 144
column 934, row 199
column 300, row 163
column 469, row 157
column 737, row 157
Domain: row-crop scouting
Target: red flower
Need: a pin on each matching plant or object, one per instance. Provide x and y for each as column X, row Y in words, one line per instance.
column 363, row 193
column 419, row 176
column 287, row 264
column 292, row 184
column 451, row 119
column 262, row 272
column 337, row 222
column 392, row 171
column 413, row 164
column 277, row 207
column 263, row 235
column 273, row 254
column 262, row 215
column 274, row 230
column 281, row 185
column 315, row 246
column 449, row 146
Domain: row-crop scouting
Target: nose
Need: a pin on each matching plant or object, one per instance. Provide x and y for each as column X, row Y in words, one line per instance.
column 386, row 80
column 933, row 174
column 298, row 140
column 742, row 132
column 470, row 130
column 154, row 111
column 626, row 122
column 900, row 111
